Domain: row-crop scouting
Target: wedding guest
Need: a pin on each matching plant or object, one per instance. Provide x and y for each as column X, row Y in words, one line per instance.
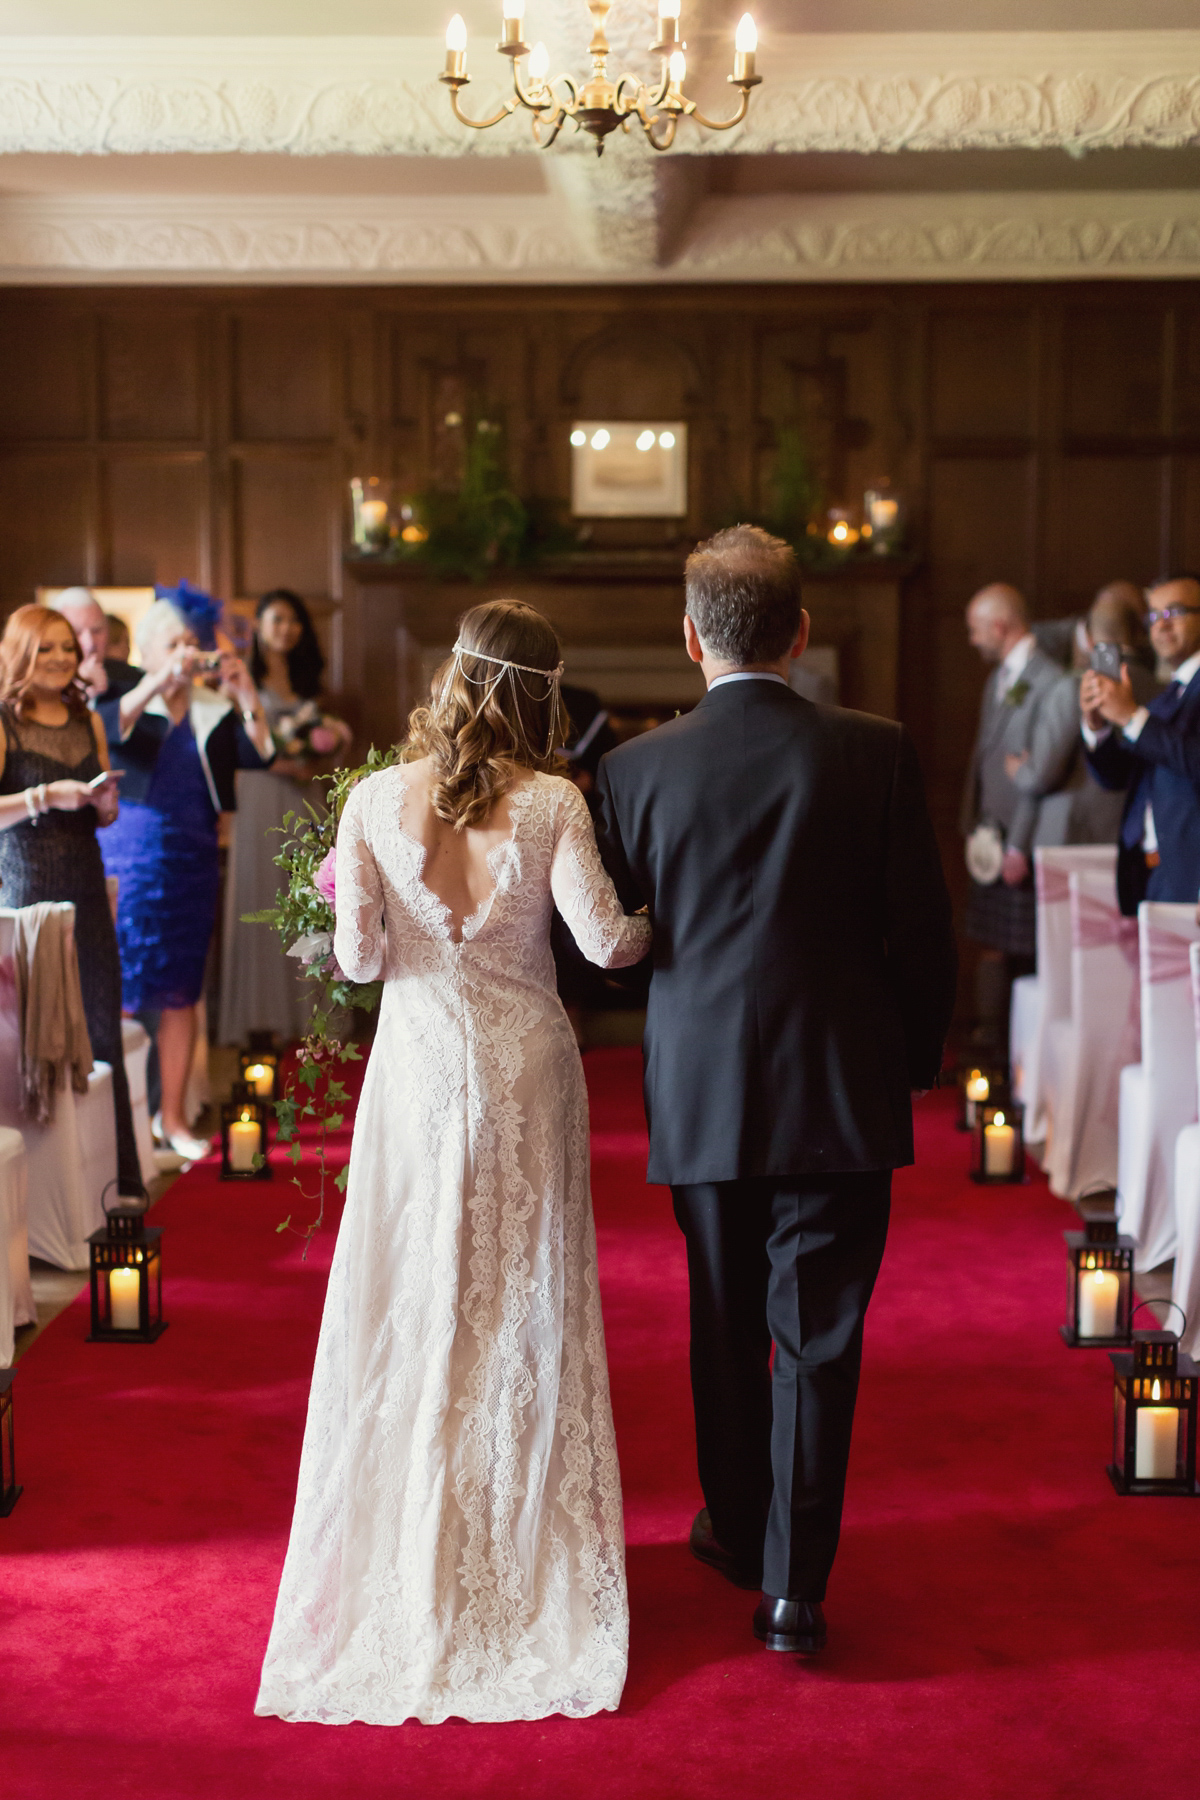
column 104, row 670
column 119, row 641
column 997, row 819
column 260, row 988
column 1151, row 753
column 51, row 749
column 1073, row 808
column 180, row 743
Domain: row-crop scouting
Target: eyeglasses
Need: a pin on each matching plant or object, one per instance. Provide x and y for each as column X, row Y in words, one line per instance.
column 1170, row 612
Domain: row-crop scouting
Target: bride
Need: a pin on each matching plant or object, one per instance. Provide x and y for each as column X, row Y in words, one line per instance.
column 456, row 1547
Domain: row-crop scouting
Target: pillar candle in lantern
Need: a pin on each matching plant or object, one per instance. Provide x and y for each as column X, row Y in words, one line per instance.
column 374, row 517
column 123, row 1285
column 261, row 1077
column 1157, row 1441
column 1099, row 1290
column 978, row 1088
column 245, row 1142
column 999, row 1146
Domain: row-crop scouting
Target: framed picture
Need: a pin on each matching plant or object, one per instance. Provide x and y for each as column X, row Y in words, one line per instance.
column 621, row 470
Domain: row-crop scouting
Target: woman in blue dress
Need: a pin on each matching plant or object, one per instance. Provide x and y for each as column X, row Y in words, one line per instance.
column 180, row 741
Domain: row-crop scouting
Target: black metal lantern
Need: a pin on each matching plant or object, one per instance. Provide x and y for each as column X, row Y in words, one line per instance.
column 244, row 1120
column 977, row 1084
column 10, row 1493
column 998, row 1147
column 126, row 1280
column 1154, row 1417
column 259, row 1065
column 1099, row 1285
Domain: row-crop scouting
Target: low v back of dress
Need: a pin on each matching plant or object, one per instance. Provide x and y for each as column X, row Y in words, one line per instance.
column 456, row 1548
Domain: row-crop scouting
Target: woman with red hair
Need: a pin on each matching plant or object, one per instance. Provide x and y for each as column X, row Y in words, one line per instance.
column 52, row 749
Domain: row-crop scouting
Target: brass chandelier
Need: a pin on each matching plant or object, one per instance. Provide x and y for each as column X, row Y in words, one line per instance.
column 600, row 104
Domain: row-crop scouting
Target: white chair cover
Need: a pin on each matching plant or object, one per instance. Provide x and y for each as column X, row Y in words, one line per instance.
column 137, row 1050
column 1185, row 1286
column 1101, row 1037
column 71, row 1160
column 16, row 1290
column 1041, row 1000
column 1158, row 1094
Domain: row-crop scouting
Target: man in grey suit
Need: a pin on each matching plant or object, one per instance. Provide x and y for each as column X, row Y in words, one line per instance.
column 997, row 819
column 1072, row 806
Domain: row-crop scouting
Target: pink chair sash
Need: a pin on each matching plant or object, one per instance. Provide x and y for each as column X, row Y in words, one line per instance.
column 1053, row 885
column 1095, row 924
column 1166, row 957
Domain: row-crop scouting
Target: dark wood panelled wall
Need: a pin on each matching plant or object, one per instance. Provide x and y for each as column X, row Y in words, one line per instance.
column 1045, row 435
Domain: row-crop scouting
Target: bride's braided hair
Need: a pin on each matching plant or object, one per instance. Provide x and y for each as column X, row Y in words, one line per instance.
column 494, row 711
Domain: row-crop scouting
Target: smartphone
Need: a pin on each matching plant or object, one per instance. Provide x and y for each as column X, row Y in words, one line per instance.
column 1107, row 660
column 99, row 780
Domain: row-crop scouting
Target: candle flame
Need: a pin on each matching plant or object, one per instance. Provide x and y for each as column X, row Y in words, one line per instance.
column 245, row 1118
column 999, row 1119
column 1091, row 1262
column 1156, row 1392
column 456, row 33
column 746, row 36
column 1098, row 1277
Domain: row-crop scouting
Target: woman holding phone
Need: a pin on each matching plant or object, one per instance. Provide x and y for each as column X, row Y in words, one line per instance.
column 55, row 789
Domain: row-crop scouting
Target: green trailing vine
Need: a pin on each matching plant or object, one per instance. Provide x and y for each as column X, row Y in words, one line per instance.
column 314, row 1094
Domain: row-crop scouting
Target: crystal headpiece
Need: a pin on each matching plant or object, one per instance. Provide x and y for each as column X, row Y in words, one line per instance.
column 461, row 650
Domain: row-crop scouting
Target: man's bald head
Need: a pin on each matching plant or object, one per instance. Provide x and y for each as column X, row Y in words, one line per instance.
column 997, row 619
column 1117, row 615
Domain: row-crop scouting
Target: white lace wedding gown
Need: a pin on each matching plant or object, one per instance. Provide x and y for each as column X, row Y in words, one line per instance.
column 456, row 1547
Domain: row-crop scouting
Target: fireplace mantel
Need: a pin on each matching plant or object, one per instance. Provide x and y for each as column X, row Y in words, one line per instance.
column 392, row 612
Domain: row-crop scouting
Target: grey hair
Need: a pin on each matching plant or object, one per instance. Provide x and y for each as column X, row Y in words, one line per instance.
column 743, row 595
column 159, row 617
column 73, row 596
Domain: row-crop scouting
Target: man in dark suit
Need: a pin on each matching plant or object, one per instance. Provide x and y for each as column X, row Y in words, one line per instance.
column 803, row 980
column 1153, row 753
column 104, row 677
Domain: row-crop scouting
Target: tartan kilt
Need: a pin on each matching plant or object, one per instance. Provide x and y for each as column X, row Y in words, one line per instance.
column 1003, row 917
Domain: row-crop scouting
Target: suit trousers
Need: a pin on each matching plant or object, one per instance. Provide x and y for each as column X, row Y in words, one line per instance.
column 791, row 1262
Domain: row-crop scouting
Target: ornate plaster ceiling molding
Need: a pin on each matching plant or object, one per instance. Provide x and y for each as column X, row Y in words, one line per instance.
column 512, row 240
column 380, row 96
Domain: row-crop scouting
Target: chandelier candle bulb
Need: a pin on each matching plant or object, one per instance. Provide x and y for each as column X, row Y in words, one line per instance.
column 123, row 1289
column 539, row 64
column 514, row 17
column 456, row 47
column 745, row 44
column 677, row 72
column 1157, row 1440
column 668, row 25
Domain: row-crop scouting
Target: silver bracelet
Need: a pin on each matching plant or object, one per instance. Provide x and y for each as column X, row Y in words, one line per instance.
column 31, row 805
column 43, row 799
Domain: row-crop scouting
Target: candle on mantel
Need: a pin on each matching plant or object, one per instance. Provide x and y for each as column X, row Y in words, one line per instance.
column 123, row 1288
column 978, row 1090
column 999, row 1147
column 245, row 1141
column 261, row 1077
column 374, row 518
column 1157, row 1440
column 1098, row 1291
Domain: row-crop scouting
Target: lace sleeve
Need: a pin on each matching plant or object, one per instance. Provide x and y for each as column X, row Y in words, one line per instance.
column 584, row 893
column 358, row 939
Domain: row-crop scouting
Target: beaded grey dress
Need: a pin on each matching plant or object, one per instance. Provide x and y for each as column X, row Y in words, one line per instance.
column 58, row 858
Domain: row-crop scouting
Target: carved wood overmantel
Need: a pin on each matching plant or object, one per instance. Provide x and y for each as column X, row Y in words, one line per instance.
column 392, row 614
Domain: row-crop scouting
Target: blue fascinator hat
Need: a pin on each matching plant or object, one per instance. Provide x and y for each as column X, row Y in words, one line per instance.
column 200, row 610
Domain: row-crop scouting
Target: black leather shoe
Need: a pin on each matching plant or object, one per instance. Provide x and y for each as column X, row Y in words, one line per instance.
column 706, row 1549
column 797, row 1625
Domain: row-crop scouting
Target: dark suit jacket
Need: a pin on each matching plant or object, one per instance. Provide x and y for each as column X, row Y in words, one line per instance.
column 803, row 964
column 1167, row 753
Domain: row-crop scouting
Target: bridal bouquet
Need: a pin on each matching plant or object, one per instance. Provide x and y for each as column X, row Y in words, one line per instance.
column 304, row 916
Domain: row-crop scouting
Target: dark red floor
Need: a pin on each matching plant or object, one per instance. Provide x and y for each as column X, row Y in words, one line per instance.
column 1001, row 1625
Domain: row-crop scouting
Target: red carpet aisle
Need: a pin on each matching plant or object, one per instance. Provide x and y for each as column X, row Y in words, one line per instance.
column 1001, row 1624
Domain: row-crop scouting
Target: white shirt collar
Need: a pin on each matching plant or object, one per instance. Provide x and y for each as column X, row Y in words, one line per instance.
column 747, row 675
column 1187, row 669
column 1013, row 666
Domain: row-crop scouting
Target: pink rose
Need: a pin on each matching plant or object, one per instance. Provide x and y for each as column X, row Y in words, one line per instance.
column 322, row 740
column 325, row 879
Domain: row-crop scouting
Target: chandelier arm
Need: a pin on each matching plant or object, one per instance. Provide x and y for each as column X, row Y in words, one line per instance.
column 509, row 107
column 669, row 129
column 720, row 124
column 553, row 127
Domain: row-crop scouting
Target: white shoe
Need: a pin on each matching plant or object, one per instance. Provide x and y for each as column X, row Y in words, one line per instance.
column 192, row 1149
